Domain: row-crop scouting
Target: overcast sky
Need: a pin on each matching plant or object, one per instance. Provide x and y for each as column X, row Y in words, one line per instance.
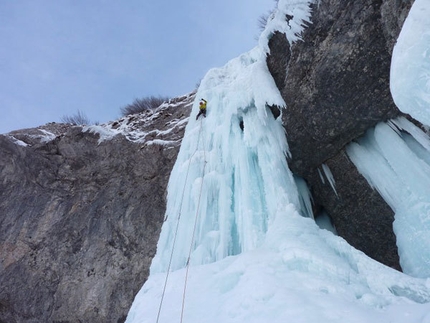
column 96, row 56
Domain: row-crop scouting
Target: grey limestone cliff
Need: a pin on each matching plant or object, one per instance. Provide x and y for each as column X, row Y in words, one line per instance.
column 336, row 86
column 80, row 214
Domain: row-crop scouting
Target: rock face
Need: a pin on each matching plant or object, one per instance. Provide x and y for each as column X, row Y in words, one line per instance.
column 80, row 214
column 337, row 87
column 359, row 213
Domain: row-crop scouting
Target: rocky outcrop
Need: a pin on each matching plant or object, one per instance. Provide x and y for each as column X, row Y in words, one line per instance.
column 277, row 61
column 336, row 86
column 359, row 213
column 393, row 15
column 80, row 214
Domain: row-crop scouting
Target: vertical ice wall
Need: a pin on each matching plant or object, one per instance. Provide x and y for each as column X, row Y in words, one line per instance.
column 231, row 178
column 231, row 175
column 410, row 65
column 395, row 159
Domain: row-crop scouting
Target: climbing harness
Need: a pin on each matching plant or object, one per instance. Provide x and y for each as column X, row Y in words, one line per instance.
column 177, row 226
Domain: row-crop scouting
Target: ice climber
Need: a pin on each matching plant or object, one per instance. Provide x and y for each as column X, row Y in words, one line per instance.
column 202, row 108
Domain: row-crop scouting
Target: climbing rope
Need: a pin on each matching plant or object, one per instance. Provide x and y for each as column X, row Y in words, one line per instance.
column 192, row 237
column 177, row 227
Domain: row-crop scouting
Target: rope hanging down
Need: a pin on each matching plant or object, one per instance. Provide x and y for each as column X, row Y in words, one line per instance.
column 194, row 232
column 177, row 227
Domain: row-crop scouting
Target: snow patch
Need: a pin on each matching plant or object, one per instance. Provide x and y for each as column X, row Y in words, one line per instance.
column 17, row 141
column 47, row 136
column 104, row 132
column 291, row 18
column 147, row 127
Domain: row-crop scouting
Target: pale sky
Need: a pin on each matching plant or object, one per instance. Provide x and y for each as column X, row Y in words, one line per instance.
column 96, row 56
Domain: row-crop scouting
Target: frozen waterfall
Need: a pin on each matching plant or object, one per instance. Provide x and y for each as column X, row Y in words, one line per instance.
column 232, row 181
column 234, row 207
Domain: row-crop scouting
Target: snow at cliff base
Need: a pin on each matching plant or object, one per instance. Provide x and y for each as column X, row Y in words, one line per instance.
column 237, row 244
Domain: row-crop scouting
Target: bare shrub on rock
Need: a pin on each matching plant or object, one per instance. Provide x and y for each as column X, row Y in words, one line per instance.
column 146, row 103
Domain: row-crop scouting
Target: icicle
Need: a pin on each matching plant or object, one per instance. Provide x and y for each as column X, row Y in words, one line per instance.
column 399, row 167
column 305, row 197
column 321, row 176
column 329, row 176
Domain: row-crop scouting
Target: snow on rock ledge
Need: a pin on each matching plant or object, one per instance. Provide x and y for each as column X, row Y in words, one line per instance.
column 161, row 126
